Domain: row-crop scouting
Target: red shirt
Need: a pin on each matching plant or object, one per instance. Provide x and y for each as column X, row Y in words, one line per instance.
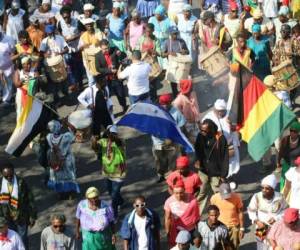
column 109, row 63
column 191, row 182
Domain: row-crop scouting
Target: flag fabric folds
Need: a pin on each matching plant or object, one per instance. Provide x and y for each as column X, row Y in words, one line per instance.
column 152, row 119
column 32, row 120
column 260, row 116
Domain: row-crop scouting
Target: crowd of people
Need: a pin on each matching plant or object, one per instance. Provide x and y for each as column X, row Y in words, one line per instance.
column 53, row 50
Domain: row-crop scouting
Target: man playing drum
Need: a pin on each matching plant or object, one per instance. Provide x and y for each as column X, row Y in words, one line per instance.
column 88, row 40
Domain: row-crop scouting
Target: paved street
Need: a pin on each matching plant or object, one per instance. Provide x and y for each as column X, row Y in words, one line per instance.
column 141, row 176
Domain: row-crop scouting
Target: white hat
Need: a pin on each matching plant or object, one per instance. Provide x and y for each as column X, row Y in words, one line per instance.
column 46, row 2
column 88, row 6
column 15, row 5
column 269, row 180
column 220, row 104
column 183, row 237
column 112, row 129
column 87, row 21
column 117, row 5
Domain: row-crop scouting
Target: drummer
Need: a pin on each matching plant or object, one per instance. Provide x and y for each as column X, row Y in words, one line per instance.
column 97, row 99
column 172, row 47
column 91, row 37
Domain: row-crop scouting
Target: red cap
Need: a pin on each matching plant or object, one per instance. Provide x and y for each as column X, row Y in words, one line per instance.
column 291, row 215
column 185, row 86
column 182, row 162
column 297, row 161
column 233, row 5
column 165, row 99
column 247, row 8
column 178, row 183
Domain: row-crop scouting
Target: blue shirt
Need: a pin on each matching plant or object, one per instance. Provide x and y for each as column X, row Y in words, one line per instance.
column 116, row 27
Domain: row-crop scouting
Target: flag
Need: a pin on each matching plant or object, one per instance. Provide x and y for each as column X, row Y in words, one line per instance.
column 260, row 116
column 152, row 119
column 32, row 120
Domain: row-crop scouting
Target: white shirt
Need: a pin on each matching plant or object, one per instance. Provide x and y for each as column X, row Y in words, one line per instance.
column 14, row 243
column 138, row 78
column 293, row 176
column 54, row 44
column 270, row 7
column 7, row 47
column 140, row 227
column 88, row 97
column 266, row 25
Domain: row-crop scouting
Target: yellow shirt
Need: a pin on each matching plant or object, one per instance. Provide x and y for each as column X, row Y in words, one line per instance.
column 91, row 38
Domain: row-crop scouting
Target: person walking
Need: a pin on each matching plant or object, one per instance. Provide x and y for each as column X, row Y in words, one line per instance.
column 95, row 222
column 231, row 214
column 16, row 202
column 265, row 208
column 57, row 235
column 138, row 78
column 140, row 228
column 191, row 180
column 212, row 160
column 9, row 239
column 111, row 152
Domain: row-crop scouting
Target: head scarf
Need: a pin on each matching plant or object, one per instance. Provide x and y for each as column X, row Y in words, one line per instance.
column 135, row 13
column 182, row 162
column 283, row 11
column 54, row 126
column 88, row 6
column 233, row 5
column 256, row 28
column 295, row 125
column 50, row 28
column 160, row 10
column 165, row 99
column 257, row 13
column 187, row 7
column 178, row 183
column 291, row 215
column 92, row 192
column 185, row 86
column 220, row 104
column 25, row 59
column 270, row 181
column 183, row 237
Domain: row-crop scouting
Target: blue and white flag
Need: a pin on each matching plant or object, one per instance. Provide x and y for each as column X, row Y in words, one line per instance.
column 152, row 119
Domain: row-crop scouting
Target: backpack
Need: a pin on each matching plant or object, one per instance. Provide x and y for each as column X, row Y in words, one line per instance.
column 56, row 159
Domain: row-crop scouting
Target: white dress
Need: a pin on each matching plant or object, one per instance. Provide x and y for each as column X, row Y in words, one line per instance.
column 186, row 28
column 14, row 24
column 293, row 176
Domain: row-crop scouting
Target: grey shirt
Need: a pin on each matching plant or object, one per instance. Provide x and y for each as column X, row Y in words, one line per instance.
column 53, row 241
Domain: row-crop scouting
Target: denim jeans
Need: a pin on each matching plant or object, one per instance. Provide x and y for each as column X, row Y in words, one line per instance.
column 21, row 229
column 136, row 98
column 114, row 190
column 75, row 68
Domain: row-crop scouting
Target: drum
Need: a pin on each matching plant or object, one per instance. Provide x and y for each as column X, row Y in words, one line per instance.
column 179, row 67
column 155, row 67
column 286, row 76
column 214, row 62
column 89, row 57
column 55, row 66
column 82, row 121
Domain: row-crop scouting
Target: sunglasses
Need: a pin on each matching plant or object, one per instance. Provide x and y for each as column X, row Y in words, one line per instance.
column 140, row 205
column 58, row 226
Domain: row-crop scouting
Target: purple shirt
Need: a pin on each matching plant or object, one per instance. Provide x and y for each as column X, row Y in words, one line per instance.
column 91, row 220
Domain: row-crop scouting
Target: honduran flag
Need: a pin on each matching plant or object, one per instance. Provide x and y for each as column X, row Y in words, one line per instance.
column 32, row 120
column 152, row 119
column 260, row 116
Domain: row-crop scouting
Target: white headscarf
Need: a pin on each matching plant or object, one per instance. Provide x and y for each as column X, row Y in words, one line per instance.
column 270, row 181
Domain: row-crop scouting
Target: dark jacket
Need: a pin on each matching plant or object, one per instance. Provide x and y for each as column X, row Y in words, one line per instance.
column 128, row 231
column 101, row 65
column 213, row 156
column 26, row 211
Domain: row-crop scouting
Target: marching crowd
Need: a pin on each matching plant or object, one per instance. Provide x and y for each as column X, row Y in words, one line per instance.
column 53, row 50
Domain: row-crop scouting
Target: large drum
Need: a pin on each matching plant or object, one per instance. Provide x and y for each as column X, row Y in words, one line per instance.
column 179, row 67
column 56, row 68
column 89, row 57
column 214, row 62
column 82, row 121
column 155, row 67
column 286, row 76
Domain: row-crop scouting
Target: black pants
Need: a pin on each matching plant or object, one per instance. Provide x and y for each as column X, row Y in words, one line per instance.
column 116, row 87
column 174, row 89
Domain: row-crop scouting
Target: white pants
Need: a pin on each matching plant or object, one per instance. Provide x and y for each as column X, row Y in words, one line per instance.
column 6, row 87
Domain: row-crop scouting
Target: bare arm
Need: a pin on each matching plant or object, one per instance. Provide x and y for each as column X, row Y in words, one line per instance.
column 77, row 229
column 126, row 244
column 287, row 189
column 167, row 221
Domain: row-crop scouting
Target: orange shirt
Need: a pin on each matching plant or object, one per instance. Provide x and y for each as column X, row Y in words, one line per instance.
column 36, row 36
column 229, row 208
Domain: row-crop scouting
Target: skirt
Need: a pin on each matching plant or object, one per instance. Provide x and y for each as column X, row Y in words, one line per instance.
column 146, row 8
column 97, row 240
